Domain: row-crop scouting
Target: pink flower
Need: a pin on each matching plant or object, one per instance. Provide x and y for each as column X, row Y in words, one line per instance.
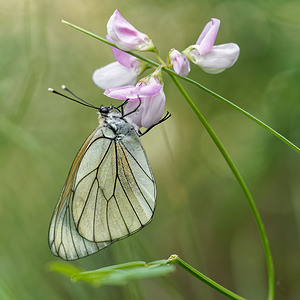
column 181, row 65
column 122, row 72
column 146, row 102
column 125, row 36
column 212, row 59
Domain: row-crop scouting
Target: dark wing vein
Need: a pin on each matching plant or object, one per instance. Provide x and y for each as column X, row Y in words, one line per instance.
column 133, row 176
column 107, row 223
column 70, row 230
column 124, row 190
column 114, row 190
column 85, row 203
column 123, row 145
column 97, row 168
column 96, row 202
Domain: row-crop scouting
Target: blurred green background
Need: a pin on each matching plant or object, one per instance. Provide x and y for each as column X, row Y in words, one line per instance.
column 201, row 215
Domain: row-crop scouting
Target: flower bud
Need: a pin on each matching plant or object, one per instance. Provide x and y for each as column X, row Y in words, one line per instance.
column 181, row 65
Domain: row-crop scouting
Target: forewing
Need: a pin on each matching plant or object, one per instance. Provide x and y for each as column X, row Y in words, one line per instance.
column 64, row 239
column 116, row 196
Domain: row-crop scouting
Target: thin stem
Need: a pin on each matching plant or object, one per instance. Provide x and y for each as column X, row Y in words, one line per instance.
column 158, row 57
column 176, row 259
column 242, row 184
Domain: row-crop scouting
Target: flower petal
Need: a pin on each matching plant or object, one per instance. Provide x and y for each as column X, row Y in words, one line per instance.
column 208, row 36
column 153, row 109
column 115, row 75
column 151, row 89
column 133, row 92
column 124, row 58
column 125, row 36
column 181, row 65
column 122, row 93
column 218, row 59
column 134, row 114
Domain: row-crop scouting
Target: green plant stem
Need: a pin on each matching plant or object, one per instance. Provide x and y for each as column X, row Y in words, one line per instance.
column 242, row 184
column 176, row 259
column 205, row 89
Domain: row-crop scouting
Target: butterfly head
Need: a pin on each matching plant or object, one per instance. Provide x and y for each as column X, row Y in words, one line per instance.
column 104, row 110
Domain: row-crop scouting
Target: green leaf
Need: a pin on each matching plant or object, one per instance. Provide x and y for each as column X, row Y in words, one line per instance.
column 67, row 269
column 117, row 274
column 122, row 274
column 159, row 262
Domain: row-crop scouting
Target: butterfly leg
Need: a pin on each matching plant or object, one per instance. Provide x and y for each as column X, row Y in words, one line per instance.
column 166, row 117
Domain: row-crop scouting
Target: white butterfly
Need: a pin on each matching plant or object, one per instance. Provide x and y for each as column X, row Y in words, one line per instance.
column 110, row 191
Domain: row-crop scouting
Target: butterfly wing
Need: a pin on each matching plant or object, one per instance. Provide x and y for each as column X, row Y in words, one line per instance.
column 109, row 194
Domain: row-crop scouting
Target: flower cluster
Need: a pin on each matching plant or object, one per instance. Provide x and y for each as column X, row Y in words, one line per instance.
column 146, row 98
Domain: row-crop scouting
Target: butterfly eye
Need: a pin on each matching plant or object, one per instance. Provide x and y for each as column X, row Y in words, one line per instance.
column 104, row 109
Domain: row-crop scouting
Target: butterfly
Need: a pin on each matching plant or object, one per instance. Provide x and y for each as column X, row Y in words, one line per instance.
column 110, row 192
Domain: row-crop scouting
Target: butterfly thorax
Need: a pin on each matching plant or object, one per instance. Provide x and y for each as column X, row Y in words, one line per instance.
column 115, row 121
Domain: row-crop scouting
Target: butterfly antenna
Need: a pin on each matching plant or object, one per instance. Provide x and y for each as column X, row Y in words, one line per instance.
column 65, row 96
column 70, row 92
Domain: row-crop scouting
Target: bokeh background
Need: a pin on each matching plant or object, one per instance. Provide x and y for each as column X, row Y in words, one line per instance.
column 201, row 215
